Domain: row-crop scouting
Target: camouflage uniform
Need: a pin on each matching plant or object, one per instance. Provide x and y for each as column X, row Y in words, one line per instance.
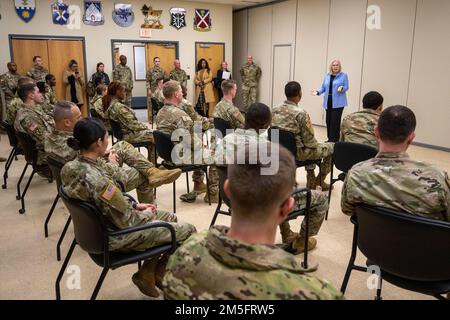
column 211, row 265
column 13, row 108
column 171, row 118
column 47, row 108
column 395, row 181
column 180, row 76
column 133, row 176
column 319, row 200
column 158, row 95
column 359, row 127
column 37, row 73
column 295, row 119
column 8, row 83
column 132, row 128
column 124, row 75
column 152, row 75
column 34, row 122
column 250, row 74
column 86, row 180
column 97, row 106
column 227, row 111
column 50, row 95
column 187, row 107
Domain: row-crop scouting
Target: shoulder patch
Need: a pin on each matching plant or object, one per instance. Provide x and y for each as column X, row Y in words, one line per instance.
column 33, row 126
column 109, row 192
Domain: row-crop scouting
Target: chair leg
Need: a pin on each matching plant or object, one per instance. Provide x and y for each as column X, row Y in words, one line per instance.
column 20, row 181
column 216, row 213
column 378, row 296
column 187, row 182
column 7, row 166
column 55, row 202
column 139, row 265
column 351, row 262
column 329, row 191
column 305, row 256
column 22, row 198
column 99, row 283
column 61, row 238
column 63, row 268
column 207, row 186
column 174, row 198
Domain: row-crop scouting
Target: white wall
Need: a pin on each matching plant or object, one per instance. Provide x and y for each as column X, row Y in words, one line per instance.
column 407, row 60
column 127, row 49
column 98, row 38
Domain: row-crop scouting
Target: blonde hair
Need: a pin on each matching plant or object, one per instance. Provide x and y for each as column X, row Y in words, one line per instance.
column 331, row 65
column 169, row 88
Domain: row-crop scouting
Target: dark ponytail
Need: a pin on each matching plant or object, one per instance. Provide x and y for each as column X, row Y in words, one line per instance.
column 86, row 132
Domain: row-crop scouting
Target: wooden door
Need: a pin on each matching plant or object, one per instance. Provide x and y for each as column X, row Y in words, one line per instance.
column 214, row 54
column 167, row 53
column 116, row 56
column 60, row 53
column 24, row 50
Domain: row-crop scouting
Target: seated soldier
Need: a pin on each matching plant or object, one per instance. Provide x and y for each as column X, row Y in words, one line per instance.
column 97, row 105
column 225, row 109
column 187, row 107
column 171, row 118
column 45, row 105
column 132, row 128
column 139, row 174
column 290, row 117
column 16, row 103
column 257, row 121
column 50, row 93
column 242, row 262
column 157, row 93
column 392, row 179
column 30, row 118
column 85, row 179
column 359, row 127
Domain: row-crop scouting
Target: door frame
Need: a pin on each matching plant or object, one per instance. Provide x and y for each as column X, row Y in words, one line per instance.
column 290, row 45
column 206, row 42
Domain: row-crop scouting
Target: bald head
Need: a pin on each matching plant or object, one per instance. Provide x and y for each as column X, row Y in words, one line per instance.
column 66, row 115
column 250, row 59
column 12, row 67
column 177, row 64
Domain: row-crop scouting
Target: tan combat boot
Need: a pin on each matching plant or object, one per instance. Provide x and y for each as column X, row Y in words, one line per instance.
column 311, row 180
column 157, row 177
column 287, row 235
column 145, row 280
column 299, row 244
column 199, row 187
column 160, row 271
column 320, row 181
column 214, row 198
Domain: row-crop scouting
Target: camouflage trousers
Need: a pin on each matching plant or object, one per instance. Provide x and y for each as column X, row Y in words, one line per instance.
column 248, row 96
column 323, row 151
column 213, row 177
column 134, row 175
column 144, row 136
column 127, row 100
column 317, row 211
column 158, row 236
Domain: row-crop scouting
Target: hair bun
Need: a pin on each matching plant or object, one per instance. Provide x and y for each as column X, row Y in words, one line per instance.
column 73, row 143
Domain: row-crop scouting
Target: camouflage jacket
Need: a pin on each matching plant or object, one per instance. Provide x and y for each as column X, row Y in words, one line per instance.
column 158, row 95
column 187, row 107
column 101, row 75
column 37, row 74
column 227, row 111
column 8, row 83
column 291, row 117
column 213, row 266
column 87, row 180
column 50, row 95
column 359, row 127
column 11, row 111
column 393, row 180
column 152, row 75
column 33, row 121
column 124, row 75
column 56, row 147
column 180, row 76
column 250, row 74
column 124, row 116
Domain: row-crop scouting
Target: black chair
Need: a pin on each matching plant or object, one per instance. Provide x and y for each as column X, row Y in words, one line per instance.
column 287, row 140
column 56, row 166
column 345, row 156
column 94, row 114
column 30, row 151
column 156, row 106
column 93, row 234
column 222, row 126
column 223, row 174
column 411, row 252
column 164, row 146
column 15, row 151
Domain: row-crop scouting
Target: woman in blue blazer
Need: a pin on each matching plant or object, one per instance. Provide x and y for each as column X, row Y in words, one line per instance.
column 334, row 100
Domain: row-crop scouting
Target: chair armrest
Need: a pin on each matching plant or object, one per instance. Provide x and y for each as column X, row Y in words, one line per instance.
column 133, row 200
column 151, row 225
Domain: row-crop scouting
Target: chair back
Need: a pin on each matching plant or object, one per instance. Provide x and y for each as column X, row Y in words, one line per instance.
column 222, row 171
column 407, row 246
column 11, row 133
column 88, row 225
column 286, row 139
column 116, row 129
column 56, row 167
column 222, row 126
column 155, row 105
column 164, row 145
column 347, row 154
column 29, row 147
column 94, row 113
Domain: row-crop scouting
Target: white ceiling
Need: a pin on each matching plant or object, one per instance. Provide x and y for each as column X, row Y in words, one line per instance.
column 237, row 4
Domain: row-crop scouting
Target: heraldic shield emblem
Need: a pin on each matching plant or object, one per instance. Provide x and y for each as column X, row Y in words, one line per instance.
column 202, row 20
column 25, row 9
column 60, row 13
column 93, row 13
column 123, row 14
column 178, row 18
